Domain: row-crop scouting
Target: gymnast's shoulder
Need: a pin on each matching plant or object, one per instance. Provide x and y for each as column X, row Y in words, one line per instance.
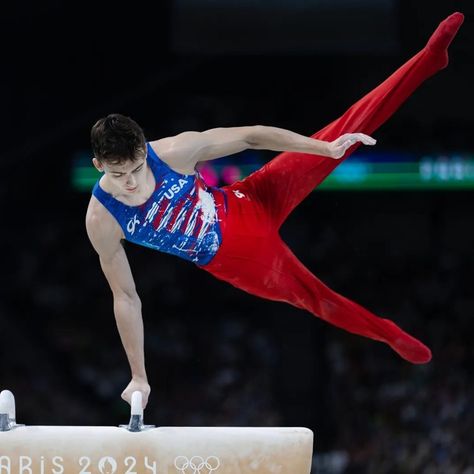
column 101, row 226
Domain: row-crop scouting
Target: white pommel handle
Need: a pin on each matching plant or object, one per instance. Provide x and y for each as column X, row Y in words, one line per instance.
column 7, row 404
column 136, row 418
column 137, row 407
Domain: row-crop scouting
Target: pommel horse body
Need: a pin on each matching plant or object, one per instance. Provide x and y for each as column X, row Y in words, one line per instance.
column 145, row 449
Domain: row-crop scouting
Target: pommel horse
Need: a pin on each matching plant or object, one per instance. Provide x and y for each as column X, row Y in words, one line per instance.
column 137, row 448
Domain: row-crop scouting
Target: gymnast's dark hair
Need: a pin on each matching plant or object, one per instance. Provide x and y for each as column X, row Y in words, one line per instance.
column 117, row 139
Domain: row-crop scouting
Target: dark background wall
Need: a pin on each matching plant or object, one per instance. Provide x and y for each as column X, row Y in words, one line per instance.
column 217, row 356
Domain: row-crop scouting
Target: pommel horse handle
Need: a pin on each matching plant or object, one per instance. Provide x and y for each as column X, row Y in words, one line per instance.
column 7, row 404
column 7, row 411
column 137, row 406
column 136, row 417
column 8, row 416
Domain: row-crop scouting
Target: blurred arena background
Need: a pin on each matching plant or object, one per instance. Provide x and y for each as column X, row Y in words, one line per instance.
column 215, row 355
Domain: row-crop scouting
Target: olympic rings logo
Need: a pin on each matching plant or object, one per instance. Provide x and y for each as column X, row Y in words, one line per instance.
column 197, row 464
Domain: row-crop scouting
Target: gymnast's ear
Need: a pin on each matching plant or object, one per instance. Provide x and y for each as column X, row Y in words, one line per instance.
column 97, row 164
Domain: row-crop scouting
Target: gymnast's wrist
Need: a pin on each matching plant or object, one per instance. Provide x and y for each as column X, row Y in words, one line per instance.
column 140, row 377
column 327, row 149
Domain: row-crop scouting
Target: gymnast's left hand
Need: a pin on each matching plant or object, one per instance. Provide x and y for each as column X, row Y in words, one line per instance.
column 338, row 148
column 139, row 384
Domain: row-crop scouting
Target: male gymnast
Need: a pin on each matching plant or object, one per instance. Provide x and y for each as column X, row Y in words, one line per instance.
column 151, row 194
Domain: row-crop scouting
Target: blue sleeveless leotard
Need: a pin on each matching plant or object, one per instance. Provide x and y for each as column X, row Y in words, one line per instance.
column 179, row 218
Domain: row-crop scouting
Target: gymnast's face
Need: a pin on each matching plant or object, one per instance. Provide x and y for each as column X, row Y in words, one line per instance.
column 128, row 177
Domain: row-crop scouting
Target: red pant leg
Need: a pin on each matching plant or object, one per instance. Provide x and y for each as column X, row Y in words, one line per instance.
column 287, row 179
column 253, row 258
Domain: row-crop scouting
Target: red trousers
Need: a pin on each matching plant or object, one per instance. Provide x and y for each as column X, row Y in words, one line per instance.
column 254, row 258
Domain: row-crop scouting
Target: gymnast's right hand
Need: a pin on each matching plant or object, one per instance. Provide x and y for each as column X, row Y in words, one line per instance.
column 339, row 146
column 140, row 385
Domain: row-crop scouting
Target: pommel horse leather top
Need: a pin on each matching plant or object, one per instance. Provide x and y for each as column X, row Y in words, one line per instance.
column 137, row 448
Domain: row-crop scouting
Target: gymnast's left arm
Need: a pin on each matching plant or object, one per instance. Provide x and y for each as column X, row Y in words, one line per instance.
column 279, row 139
column 185, row 150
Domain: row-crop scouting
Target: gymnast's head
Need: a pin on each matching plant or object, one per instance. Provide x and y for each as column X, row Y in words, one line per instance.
column 117, row 139
column 119, row 148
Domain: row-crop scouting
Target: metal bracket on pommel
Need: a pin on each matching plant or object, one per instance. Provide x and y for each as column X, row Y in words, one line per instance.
column 136, row 419
column 7, row 411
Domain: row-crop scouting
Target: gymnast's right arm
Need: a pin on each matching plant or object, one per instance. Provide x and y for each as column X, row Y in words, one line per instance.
column 105, row 236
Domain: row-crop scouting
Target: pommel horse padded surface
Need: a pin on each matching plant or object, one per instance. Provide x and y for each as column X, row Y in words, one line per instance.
column 164, row 450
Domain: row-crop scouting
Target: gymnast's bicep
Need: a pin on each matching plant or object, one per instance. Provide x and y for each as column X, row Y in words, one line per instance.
column 113, row 259
column 184, row 151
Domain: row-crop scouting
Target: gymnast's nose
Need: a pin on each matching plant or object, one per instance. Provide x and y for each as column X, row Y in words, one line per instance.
column 131, row 181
